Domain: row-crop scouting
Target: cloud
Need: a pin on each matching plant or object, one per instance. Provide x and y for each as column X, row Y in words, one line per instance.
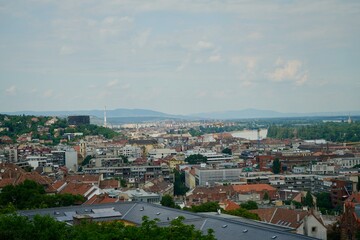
column 290, row 70
column 112, row 83
column 48, row 93
column 184, row 63
column 215, row 58
column 142, row 38
column 66, row 50
column 126, row 86
column 249, row 62
column 203, row 45
column 11, row 90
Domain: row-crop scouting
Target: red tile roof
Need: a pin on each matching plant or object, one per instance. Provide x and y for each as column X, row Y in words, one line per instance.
column 77, row 188
column 281, row 216
column 253, row 188
column 229, row 205
column 100, row 199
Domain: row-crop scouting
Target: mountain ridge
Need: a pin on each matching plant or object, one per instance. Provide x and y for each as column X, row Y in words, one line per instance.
column 221, row 115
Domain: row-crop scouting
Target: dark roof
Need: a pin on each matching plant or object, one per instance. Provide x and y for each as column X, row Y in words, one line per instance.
column 225, row 228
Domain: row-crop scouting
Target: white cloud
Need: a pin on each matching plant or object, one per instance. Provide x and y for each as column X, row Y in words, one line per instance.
column 66, row 50
column 126, row 86
column 290, row 70
column 215, row 58
column 11, row 90
column 48, row 93
column 249, row 62
column 142, row 38
column 112, row 83
column 203, row 45
column 184, row 63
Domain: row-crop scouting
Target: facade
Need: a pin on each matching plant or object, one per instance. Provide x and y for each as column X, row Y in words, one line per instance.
column 206, row 177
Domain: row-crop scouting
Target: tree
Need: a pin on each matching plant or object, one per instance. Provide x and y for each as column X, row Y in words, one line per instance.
column 205, row 207
column 241, row 212
column 249, row 205
column 227, row 151
column 308, row 201
column 30, row 195
column 323, row 201
column 276, row 166
column 179, row 183
column 196, row 159
column 13, row 227
column 266, row 196
column 125, row 159
column 167, row 201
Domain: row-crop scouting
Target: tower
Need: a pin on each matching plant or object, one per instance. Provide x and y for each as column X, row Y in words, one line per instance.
column 105, row 117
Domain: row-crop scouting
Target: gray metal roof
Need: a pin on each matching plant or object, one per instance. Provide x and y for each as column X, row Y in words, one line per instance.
column 225, row 227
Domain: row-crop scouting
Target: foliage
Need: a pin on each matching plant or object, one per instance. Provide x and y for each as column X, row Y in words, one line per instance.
column 36, row 126
column 125, row 159
column 296, row 204
column 241, row 212
column 167, row 201
column 308, row 201
column 205, row 207
column 276, row 166
column 30, row 195
column 323, row 201
column 45, row 227
column 266, row 196
column 227, row 151
column 86, row 160
column 196, row 159
column 249, row 205
column 179, row 183
column 330, row 131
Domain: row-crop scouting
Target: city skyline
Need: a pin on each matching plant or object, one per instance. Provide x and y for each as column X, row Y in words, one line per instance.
column 180, row 57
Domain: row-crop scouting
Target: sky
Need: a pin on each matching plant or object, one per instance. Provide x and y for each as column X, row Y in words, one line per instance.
column 180, row 57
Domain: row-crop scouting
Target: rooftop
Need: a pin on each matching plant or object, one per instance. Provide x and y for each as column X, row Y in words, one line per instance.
column 224, row 227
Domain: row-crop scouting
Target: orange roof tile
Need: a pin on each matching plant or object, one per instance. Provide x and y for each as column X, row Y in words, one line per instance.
column 253, row 187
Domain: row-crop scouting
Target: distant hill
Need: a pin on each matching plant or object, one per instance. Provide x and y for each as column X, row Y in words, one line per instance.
column 123, row 115
column 256, row 113
column 116, row 113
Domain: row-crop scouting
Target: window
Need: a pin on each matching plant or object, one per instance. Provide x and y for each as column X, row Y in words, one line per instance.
column 313, row 229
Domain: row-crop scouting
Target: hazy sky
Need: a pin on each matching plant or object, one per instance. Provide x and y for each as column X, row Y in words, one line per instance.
column 180, row 56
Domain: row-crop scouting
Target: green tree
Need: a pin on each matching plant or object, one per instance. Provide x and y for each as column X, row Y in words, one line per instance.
column 227, row 151
column 249, row 205
column 276, row 168
column 323, row 201
column 241, row 212
column 167, row 201
column 14, row 227
column 179, row 183
column 196, row 159
column 266, row 196
column 308, row 201
column 205, row 207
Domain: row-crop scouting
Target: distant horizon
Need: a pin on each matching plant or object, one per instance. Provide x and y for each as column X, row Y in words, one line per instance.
column 343, row 112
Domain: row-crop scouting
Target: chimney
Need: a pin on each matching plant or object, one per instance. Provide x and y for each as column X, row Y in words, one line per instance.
column 298, row 217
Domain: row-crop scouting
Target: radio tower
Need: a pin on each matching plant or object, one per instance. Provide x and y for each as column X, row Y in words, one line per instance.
column 105, row 117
